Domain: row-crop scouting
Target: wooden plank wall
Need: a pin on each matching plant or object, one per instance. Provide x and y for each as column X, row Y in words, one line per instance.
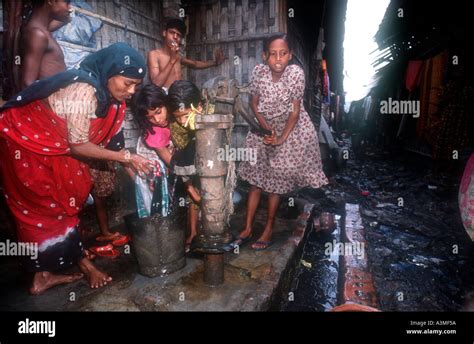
column 1, row 16
column 142, row 15
column 300, row 56
column 12, row 16
column 239, row 28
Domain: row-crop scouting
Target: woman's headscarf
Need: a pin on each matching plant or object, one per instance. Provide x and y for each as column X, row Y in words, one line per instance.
column 96, row 69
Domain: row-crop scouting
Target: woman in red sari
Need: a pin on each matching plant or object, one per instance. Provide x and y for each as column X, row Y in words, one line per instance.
column 47, row 133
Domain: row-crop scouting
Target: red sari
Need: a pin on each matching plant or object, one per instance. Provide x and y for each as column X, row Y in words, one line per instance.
column 45, row 187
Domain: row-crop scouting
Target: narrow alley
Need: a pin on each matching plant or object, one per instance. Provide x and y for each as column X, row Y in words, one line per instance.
column 236, row 156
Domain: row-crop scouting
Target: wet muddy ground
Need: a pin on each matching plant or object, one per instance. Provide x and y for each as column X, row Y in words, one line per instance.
column 251, row 277
column 420, row 256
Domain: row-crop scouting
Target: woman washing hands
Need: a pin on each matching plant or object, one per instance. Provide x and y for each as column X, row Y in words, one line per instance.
column 48, row 133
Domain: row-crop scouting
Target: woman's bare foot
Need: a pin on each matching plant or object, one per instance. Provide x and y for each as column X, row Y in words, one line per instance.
column 89, row 255
column 97, row 278
column 44, row 280
column 108, row 236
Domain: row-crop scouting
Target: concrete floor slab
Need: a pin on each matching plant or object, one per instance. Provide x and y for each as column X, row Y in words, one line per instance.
column 251, row 279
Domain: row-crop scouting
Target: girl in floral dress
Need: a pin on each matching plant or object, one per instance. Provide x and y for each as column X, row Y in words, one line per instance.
column 289, row 159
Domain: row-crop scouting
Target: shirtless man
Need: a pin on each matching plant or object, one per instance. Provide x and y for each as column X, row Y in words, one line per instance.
column 164, row 64
column 41, row 54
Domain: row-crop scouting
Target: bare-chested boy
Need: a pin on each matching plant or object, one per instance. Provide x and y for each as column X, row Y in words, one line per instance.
column 41, row 54
column 164, row 64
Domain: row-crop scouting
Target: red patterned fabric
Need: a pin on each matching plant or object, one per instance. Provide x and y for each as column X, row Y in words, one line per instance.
column 413, row 75
column 432, row 81
column 44, row 185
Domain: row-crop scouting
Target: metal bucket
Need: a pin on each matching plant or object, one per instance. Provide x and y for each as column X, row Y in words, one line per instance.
column 158, row 242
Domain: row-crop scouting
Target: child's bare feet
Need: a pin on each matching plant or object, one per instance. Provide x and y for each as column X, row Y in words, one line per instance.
column 44, row 280
column 187, row 244
column 97, row 278
column 190, row 238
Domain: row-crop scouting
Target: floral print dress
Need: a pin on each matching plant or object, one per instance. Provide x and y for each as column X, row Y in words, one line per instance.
column 297, row 162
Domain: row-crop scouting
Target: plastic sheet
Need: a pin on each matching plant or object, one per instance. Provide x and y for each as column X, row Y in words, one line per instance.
column 79, row 31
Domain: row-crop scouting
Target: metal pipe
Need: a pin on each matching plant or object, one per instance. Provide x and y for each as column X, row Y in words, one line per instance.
column 214, row 269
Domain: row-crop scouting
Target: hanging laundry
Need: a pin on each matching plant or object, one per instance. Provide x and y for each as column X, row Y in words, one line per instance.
column 326, row 86
column 413, row 75
column 432, row 79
